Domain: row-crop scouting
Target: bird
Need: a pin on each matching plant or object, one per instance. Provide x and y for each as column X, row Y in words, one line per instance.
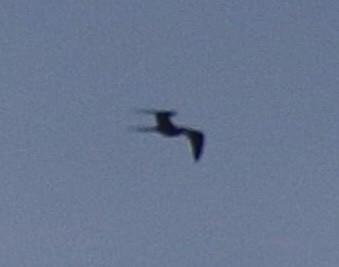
column 165, row 127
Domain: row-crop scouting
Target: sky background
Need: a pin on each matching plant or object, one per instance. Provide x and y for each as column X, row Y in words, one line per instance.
column 259, row 78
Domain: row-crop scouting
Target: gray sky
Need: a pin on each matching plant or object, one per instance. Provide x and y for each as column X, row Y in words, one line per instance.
column 260, row 78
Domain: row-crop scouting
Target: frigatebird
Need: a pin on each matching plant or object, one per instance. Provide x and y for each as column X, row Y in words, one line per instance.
column 165, row 127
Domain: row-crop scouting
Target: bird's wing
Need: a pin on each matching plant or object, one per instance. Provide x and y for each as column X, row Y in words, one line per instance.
column 196, row 139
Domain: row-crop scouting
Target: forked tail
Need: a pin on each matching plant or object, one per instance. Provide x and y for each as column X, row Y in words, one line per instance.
column 140, row 129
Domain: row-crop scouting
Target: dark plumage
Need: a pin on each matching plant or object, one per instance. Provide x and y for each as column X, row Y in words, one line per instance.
column 167, row 128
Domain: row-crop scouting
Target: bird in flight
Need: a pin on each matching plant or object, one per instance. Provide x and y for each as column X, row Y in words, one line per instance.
column 165, row 127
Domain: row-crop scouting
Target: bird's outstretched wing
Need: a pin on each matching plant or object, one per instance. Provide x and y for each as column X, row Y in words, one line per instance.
column 196, row 139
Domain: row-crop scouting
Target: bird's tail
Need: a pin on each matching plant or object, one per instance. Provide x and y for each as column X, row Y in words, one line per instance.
column 144, row 111
column 154, row 111
column 141, row 129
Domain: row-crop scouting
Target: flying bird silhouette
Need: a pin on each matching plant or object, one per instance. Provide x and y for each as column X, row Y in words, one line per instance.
column 165, row 127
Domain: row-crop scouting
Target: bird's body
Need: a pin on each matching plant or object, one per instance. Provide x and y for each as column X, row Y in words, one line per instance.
column 164, row 124
column 168, row 129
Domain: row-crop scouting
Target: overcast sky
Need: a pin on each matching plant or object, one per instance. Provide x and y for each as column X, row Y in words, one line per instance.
column 259, row 78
